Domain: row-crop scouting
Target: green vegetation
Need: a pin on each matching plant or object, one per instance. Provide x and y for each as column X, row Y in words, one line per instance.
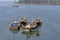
column 20, row 1
column 40, row 1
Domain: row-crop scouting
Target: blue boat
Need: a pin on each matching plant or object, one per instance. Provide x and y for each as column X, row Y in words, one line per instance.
column 14, row 27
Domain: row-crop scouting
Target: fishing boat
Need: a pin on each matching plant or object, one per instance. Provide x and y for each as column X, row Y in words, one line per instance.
column 16, row 4
column 14, row 27
column 36, row 23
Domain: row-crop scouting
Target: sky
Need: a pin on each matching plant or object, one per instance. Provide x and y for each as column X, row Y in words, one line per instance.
column 8, row 0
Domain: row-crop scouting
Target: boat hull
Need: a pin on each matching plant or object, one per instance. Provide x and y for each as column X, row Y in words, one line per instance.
column 14, row 28
column 26, row 29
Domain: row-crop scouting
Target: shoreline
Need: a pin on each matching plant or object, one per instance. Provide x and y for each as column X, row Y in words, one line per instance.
column 12, row 3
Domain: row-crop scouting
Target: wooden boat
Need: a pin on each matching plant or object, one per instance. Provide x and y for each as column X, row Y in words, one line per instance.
column 29, row 29
column 12, row 28
column 36, row 24
column 15, row 6
column 26, row 28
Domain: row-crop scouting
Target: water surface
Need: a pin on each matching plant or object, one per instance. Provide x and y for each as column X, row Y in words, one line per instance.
column 50, row 15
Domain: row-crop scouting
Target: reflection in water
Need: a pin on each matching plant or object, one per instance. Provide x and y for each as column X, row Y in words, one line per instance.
column 14, row 34
column 28, row 35
column 14, row 31
column 35, row 32
column 50, row 14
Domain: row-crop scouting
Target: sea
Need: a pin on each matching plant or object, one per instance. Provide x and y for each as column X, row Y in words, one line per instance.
column 49, row 14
